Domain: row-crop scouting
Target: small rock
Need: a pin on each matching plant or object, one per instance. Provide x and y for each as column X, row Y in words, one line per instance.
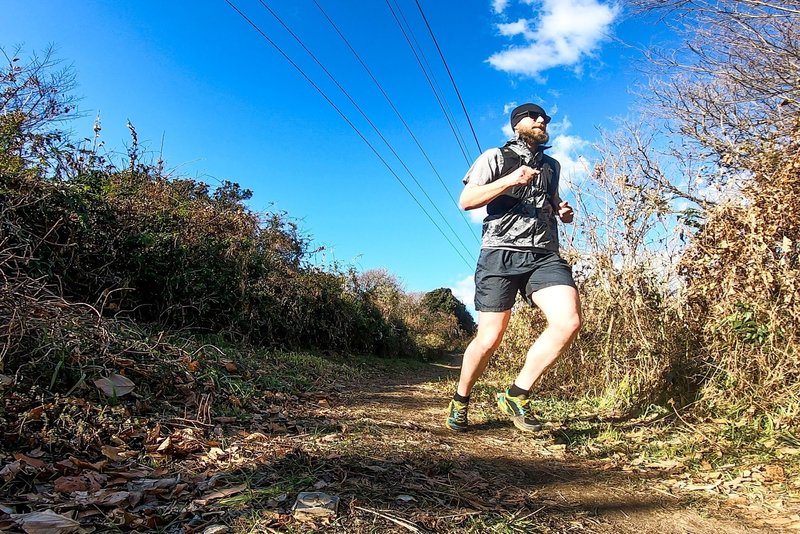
column 313, row 504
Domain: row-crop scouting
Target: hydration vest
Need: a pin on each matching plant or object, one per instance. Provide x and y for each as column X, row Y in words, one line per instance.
column 513, row 161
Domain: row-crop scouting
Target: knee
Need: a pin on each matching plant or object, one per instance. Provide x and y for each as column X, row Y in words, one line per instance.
column 569, row 325
column 488, row 341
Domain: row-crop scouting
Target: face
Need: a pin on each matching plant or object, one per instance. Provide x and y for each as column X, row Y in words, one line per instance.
column 533, row 129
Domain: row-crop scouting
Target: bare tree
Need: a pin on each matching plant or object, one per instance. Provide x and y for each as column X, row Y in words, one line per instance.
column 38, row 90
column 733, row 88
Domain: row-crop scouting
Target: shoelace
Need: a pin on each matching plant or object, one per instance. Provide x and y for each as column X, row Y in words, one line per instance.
column 459, row 413
column 524, row 407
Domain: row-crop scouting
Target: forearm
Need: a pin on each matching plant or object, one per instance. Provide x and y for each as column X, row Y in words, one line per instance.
column 477, row 196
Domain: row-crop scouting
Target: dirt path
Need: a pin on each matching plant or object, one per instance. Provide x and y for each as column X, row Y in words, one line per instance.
column 402, row 463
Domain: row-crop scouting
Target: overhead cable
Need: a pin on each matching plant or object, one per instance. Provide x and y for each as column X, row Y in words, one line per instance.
column 349, row 123
column 441, row 55
column 366, row 118
column 427, row 68
column 399, row 115
column 439, row 100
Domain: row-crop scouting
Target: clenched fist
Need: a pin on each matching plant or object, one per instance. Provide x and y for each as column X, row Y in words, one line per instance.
column 565, row 212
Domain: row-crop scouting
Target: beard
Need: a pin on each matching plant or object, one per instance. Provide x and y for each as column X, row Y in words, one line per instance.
column 533, row 135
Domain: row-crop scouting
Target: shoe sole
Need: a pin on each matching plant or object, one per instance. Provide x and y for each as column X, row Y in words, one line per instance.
column 454, row 428
column 516, row 419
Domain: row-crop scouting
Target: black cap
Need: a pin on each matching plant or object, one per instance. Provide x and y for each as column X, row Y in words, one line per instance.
column 520, row 112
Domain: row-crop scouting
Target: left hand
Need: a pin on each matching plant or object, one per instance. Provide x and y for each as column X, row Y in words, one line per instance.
column 565, row 212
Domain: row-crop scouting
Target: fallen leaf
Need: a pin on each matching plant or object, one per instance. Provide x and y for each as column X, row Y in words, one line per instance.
column 47, row 522
column 9, row 471
column 781, row 521
column 117, row 454
column 77, row 483
column 774, row 472
column 220, row 494
column 97, row 466
column 6, row 381
column 33, row 462
column 105, row 498
column 115, row 385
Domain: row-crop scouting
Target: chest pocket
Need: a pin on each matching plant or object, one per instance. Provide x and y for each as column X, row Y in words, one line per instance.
column 524, row 198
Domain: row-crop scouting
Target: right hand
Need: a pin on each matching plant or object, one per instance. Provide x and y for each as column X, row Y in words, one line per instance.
column 523, row 175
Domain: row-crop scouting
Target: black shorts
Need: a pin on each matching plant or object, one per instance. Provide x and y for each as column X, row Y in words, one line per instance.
column 500, row 274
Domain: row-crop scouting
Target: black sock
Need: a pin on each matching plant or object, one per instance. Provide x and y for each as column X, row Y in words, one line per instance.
column 515, row 391
column 459, row 398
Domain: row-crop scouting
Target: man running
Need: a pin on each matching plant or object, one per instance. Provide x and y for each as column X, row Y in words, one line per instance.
column 518, row 184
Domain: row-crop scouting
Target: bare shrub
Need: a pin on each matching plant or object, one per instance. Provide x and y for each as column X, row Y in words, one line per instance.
column 743, row 268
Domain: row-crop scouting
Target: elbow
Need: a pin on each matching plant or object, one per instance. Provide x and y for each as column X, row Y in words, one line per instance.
column 466, row 203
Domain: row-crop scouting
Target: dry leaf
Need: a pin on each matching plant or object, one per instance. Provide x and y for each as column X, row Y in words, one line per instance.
column 115, row 385
column 774, row 472
column 220, row 494
column 78, row 483
column 47, row 522
column 781, row 521
column 117, row 454
column 33, row 462
column 97, row 466
column 9, row 471
column 105, row 497
column 256, row 436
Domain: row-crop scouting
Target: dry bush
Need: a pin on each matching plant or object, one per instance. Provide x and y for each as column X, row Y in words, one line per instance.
column 743, row 268
column 135, row 244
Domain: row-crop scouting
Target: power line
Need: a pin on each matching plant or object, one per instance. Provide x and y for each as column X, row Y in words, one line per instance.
column 399, row 115
column 366, row 118
column 438, row 90
column 441, row 55
column 452, row 127
column 349, row 123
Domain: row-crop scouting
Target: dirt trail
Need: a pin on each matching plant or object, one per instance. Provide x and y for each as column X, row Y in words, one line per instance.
column 496, row 477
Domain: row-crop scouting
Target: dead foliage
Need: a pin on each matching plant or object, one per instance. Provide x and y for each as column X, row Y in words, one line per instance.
column 743, row 268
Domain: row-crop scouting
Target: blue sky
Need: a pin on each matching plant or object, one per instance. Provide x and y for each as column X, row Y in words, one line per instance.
column 229, row 107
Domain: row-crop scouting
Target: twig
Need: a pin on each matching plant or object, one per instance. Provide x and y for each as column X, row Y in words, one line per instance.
column 691, row 426
column 394, row 520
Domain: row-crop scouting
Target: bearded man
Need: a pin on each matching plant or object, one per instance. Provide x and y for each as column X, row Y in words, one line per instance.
column 518, row 184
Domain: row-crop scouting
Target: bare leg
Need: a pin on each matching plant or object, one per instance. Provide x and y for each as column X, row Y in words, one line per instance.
column 562, row 309
column 491, row 326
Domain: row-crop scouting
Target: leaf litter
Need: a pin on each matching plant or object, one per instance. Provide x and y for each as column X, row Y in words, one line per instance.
column 118, row 463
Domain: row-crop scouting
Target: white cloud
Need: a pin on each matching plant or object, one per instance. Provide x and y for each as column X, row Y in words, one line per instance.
column 464, row 291
column 477, row 215
column 499, row 5
column 565, row 33
column 521, row 27
column 568, row 150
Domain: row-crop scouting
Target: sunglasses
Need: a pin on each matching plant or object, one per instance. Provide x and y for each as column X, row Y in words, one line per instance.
column 534, row 115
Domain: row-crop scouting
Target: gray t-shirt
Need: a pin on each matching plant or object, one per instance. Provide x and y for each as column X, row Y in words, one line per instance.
column 523, row 217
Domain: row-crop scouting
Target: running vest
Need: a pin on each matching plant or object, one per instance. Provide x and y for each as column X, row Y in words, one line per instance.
column 525, row 216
